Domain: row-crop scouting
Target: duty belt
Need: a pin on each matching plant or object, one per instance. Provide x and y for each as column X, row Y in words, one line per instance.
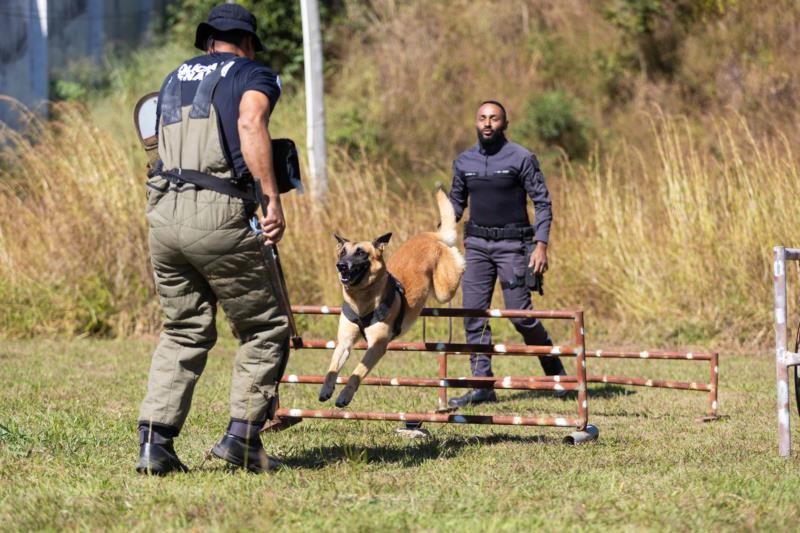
column 243, row 188
column 521, row 232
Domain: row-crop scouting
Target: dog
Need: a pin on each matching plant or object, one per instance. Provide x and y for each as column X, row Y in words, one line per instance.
column 382, row 300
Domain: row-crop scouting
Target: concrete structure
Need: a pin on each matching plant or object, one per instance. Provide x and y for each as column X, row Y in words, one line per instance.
column 42, row 38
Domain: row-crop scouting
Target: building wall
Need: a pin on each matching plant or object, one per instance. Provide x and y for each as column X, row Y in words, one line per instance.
column 41, row 38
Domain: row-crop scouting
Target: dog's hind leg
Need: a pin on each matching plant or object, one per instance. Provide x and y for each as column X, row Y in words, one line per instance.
column 368, row 362
column 348, row 333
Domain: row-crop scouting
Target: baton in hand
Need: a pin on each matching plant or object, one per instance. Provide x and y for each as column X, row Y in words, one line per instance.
column 283, row 292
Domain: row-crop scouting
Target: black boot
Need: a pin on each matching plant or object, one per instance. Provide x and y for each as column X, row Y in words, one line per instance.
column 156, row 452
column 554, row 367
column 473, row 397
column 561, row 393
column 241, row 446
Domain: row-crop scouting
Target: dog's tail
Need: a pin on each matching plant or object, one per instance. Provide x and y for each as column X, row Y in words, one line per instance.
column 447, row 226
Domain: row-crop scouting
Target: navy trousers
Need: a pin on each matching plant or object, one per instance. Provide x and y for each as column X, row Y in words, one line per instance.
column 486, row 261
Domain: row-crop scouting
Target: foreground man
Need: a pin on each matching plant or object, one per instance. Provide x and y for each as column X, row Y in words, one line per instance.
column 213, row 115
column 497, row 176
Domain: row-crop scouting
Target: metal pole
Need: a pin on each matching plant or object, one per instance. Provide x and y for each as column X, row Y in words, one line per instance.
column 713, row 395
column 442, row 375
column 37, row 42
column 782, row 370
column 580, row 371
column 315, row 105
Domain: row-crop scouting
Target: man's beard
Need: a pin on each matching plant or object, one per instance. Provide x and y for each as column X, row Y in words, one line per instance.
column 493, row 141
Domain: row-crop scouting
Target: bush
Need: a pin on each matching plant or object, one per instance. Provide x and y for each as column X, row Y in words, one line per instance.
column 551, row 118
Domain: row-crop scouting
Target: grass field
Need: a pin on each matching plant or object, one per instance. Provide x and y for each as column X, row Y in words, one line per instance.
column 68, row 445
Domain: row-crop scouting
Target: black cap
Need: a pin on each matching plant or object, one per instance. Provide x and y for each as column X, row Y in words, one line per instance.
column 226, row 17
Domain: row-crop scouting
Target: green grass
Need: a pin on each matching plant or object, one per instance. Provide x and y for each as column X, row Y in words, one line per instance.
column 68, row 445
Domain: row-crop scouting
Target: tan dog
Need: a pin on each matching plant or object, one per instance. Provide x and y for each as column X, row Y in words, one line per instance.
column 379, row 310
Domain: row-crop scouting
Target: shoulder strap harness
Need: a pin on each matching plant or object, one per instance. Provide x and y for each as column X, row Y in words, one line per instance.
column 380, row 313
column 201, row 108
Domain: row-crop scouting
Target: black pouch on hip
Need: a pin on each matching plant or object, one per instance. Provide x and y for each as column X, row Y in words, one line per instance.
column 286, row 164
column 534, row 282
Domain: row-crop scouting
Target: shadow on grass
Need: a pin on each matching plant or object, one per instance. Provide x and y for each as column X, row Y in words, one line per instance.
column 404, row 453
column 604, row 391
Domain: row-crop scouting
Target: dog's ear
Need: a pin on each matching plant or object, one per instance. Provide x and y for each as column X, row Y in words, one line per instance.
column 381, row 242
column 340, row 240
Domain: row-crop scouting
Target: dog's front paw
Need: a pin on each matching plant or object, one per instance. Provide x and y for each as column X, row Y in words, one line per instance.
column 326, row 391
column 346, row 396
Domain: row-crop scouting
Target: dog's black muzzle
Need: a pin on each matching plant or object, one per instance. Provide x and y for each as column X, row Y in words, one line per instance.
column 351, row 273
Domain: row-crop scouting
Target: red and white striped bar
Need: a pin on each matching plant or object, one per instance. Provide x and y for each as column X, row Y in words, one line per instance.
column 614, row 380
column 451, row 312
column 507, row 382
column 650, row 354
column 655, row 383
column 450, row 418
column 456, row 348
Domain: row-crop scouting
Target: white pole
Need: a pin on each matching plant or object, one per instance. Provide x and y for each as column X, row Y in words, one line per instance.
column 315, row 106
column 37, row 31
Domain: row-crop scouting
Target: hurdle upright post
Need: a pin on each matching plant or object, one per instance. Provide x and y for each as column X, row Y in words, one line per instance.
column 580, row 371
column 442, row 376
column 713, row 394
column 781, row 368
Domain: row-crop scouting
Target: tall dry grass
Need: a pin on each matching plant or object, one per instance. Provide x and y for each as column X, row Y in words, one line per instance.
column 677, row 243
column 73, row 239
column 672, row 244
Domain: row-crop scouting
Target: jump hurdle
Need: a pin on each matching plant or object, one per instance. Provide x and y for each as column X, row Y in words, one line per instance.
column 577, row 382
column 443, row 382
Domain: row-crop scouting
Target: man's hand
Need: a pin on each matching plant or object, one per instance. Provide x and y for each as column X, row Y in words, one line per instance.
column 273, row 223
column 539, row 258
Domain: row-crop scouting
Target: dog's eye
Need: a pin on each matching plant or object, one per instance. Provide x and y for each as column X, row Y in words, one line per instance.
column 360, row 253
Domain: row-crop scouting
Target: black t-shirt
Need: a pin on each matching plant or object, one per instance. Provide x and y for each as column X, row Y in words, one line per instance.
column 245, row 75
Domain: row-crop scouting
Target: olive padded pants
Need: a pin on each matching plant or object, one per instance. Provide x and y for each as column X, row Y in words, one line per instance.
column 203, row 252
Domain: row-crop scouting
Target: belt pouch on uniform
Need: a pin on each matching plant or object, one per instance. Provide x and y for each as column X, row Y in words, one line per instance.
column 534, row 281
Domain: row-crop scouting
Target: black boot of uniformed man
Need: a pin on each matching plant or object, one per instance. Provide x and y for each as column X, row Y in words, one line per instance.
column 156, row 452
column 473, row 397
column 241, row 446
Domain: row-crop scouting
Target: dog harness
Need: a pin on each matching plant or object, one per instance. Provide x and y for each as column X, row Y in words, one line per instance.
column 380, row 313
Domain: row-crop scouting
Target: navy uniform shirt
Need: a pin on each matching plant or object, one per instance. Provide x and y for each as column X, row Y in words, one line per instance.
column 245, row 75
column 498, row 184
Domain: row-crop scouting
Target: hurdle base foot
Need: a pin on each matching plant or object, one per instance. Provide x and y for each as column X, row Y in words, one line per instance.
column 416, row 433
column 582, row 437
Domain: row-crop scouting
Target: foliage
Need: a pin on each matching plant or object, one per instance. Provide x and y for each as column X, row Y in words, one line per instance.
column 551, row 118
column 349, row 129
column 279, row 27
column 657, row 28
